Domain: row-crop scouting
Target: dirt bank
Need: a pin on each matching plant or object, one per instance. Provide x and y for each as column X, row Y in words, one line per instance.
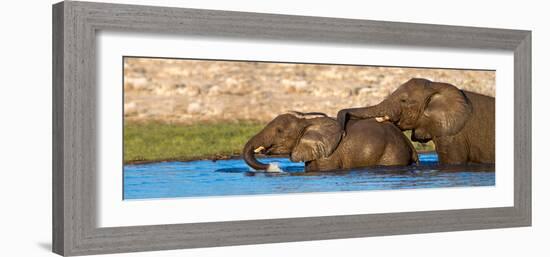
column 185, row 91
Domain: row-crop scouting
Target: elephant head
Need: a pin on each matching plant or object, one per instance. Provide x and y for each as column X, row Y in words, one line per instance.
column 429, row 109
column 304, row 136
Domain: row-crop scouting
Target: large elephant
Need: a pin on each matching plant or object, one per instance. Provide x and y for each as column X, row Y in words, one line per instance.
column 460, row 123
column 316, row 140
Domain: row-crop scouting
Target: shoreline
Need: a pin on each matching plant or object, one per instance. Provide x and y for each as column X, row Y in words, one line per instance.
column 216, row 158
column 203, row 158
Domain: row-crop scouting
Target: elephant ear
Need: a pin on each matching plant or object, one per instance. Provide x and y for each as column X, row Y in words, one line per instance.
column 447, row 109
column 319, row 140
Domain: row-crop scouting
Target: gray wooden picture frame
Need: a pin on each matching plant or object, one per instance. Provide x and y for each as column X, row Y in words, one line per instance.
column 75, row 25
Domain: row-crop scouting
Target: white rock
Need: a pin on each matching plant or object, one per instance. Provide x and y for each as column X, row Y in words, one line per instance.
column 214, row 90
column 195, row 108
column 130, row 108
column 138, row 83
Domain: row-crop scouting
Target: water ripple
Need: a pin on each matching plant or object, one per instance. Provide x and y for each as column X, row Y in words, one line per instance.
column 234, row 177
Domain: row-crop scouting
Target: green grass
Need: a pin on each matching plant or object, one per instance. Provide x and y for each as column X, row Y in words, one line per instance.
column 160, row 142
column 157, row 142
column 419, row 146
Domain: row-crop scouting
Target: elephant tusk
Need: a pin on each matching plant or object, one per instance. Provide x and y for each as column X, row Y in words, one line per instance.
column 382, row 119
column 259, row 149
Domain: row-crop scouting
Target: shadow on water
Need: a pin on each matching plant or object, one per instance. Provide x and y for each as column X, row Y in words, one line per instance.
column 234, row 177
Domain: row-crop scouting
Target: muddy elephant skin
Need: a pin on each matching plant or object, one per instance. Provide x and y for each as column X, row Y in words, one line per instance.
column 318, row 141
column 460, row 123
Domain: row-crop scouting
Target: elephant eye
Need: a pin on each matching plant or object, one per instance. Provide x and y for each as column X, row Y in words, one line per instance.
column 403, row 100
column 279, row 130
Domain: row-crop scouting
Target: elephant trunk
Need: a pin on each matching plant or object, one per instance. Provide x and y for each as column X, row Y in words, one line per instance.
column 248, row 155
column 382, row 112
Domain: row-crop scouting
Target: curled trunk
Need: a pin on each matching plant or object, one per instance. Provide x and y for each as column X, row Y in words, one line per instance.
column 250, row 159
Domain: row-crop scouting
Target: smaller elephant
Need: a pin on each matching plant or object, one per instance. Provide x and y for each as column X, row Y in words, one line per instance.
column 317, row 140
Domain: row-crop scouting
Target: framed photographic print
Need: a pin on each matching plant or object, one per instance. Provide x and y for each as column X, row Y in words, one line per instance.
column 183, row 128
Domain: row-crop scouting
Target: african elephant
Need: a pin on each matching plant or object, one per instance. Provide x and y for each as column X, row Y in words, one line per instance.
column 460, row 123
column 316, row 139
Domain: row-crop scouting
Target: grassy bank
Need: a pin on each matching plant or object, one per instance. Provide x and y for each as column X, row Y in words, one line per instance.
column 160, row 142
column 157, row 142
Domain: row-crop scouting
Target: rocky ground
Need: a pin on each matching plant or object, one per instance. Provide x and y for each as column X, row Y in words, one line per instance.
column 189, row 91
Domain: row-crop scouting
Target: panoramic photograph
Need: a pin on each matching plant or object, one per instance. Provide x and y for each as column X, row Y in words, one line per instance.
column 205, row 128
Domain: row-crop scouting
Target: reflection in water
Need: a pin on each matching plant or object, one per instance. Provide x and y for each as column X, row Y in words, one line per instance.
column 234, row 177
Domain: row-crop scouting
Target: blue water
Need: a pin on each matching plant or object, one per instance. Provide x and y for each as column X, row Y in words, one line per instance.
column 234, row 177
